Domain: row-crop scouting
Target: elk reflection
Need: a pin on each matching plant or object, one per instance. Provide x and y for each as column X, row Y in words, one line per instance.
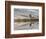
column 32, row 24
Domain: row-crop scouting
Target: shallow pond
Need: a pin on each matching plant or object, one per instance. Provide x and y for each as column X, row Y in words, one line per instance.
column 26, row 25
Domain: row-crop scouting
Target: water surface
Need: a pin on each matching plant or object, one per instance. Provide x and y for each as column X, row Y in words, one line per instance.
column 26, row 25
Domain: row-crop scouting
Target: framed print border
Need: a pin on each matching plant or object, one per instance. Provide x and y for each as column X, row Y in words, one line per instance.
column 8, row 19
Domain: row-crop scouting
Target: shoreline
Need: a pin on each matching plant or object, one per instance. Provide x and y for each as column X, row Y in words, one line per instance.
column 25, row 20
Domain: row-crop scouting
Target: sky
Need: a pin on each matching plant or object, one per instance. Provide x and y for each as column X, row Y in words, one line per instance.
column 18, row 11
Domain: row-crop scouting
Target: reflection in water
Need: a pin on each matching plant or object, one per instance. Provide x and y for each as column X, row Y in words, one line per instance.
column 26, row 25
column 31, row 23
